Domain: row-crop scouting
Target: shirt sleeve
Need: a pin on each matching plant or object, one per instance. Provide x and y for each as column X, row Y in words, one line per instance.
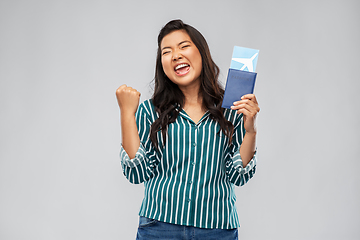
column 235, row 171
column 143, row 166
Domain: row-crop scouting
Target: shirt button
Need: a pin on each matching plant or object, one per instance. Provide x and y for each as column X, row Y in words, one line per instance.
column 193, row 163
column 190, row 182
column 189, row 200
column 194, row 144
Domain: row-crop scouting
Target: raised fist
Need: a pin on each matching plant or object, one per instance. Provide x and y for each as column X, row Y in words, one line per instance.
column 128, row 99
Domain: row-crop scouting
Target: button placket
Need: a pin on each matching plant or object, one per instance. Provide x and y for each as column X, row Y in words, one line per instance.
column 192, row 162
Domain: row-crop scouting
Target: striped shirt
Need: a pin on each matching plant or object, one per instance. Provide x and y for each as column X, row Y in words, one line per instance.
column 189, row 181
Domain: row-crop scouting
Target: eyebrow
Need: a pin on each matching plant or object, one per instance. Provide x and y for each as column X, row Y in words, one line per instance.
column 178, row 44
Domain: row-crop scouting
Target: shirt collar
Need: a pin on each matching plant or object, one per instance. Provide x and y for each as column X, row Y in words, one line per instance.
column 183, row 114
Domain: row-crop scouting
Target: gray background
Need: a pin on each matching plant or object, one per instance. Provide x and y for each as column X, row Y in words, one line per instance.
column 61, row 62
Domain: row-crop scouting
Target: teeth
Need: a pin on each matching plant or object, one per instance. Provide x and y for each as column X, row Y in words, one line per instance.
column 180, row 66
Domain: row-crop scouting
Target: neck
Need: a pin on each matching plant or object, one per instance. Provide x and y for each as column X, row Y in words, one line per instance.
column 191, row 93
column 193, row 99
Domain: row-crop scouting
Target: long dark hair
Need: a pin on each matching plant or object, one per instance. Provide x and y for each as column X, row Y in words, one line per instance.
column 168, row 99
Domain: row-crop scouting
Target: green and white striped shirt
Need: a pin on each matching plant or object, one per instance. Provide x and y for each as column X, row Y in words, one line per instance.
column 190, row 181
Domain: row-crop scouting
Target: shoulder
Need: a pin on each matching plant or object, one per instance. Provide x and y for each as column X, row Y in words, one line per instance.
column 232, row 116
column 147, row 108
column 147, row 105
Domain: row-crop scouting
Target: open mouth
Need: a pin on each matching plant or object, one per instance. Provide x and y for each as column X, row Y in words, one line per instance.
column 182, row 69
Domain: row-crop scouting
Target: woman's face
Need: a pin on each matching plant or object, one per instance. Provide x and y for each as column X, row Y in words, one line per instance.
column 181, row 60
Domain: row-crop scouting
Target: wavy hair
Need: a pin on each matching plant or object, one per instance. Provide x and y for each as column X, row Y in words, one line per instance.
column 168, row 99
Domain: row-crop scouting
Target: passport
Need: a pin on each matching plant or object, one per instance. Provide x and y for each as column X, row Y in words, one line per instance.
column 238, row 84
column 241, row 76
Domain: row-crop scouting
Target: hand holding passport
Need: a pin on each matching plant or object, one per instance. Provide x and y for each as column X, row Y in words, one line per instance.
column 241, row 76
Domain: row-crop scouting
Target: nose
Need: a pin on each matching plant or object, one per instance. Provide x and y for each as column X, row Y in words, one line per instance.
column 176, row 56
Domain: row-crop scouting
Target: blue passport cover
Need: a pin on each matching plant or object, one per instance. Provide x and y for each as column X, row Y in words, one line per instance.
column 238, row 84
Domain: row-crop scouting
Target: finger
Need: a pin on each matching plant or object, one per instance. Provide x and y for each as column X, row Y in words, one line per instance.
column 252, row 97
column 128, row 89
column 120, row 89
column 250, row 112
column 133, row 91
column 247, row 113
column 252, row 104
column 245, row 102
column 246, row 109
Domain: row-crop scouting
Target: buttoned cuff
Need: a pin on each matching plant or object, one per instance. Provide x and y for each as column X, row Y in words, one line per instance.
column 238, row 164
column 139, row 157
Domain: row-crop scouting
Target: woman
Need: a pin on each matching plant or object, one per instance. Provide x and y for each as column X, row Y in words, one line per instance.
column 188, row 151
